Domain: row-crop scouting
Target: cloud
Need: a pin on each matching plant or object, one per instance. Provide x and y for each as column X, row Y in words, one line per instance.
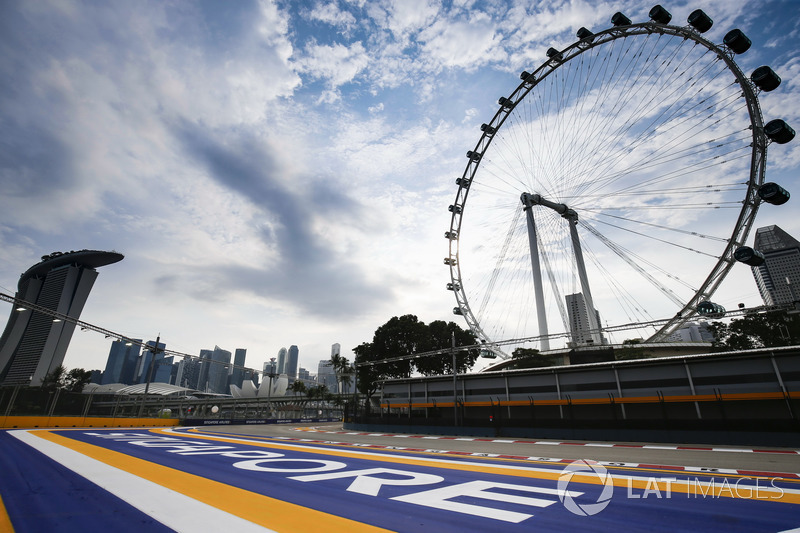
column 337, row 64
column 307, row 271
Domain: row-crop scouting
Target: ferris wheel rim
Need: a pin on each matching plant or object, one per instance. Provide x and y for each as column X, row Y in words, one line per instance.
column 750, row 202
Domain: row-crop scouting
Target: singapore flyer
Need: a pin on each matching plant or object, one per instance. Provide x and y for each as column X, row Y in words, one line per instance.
column 614, row 185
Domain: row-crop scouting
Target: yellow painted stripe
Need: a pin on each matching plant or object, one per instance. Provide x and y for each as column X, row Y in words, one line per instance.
column 262, row 510
column 638, row 483
column 5, row 520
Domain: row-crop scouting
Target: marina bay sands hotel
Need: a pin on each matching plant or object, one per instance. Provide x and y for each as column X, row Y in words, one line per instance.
column 33, row 343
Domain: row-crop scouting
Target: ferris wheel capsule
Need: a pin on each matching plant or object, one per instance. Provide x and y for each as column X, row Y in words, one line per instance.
column 620, row 20
column 774, row 194
column 700, row 21
column 737, row 41
column 748, row 256
column 765, row 78
column 660, row 15
column 709, row 309
column 779, row 131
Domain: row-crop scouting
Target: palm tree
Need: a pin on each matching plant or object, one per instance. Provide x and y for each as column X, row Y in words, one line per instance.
column 298, row 387
column 342, row 369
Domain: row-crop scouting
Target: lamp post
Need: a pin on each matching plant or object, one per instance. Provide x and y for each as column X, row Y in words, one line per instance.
column 455, row 378
column 152, row 364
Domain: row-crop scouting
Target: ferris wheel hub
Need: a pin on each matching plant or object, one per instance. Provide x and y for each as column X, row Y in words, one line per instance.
column 529, row 200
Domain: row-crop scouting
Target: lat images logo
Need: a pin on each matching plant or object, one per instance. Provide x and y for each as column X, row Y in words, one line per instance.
column 591, row 469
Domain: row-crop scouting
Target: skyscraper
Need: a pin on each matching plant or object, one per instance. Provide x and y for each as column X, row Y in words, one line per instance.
column 291, row 362
column 218, row 371
column 203, row 367
column 143, row 365
column 237, row 370
column 579, row 322
column 281, row 368
column 778, row 278
column 33, row 344
column 121, row 363
column 188, row 373
column 326, row 376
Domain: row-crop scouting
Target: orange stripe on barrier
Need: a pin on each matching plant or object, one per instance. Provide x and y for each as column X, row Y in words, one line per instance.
column 747, row 396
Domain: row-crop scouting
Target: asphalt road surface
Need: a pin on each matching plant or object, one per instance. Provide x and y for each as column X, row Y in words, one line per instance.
column 322, row 477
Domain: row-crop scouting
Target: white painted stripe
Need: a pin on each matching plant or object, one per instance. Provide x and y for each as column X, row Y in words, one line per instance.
column 173, row 509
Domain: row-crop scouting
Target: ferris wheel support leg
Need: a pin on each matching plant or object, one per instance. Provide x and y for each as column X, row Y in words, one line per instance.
column 584, row 279
column 538, row 289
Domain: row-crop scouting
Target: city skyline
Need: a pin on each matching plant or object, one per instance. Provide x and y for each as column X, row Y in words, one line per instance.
column 281, row 173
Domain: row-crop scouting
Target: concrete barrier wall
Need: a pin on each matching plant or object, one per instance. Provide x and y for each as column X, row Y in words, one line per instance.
column 27, row 422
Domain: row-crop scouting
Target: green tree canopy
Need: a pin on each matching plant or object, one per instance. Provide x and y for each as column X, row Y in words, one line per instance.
column 757, row 330
column 407, row 335
column 73, row 381
column 298, row 387
column 532, row 358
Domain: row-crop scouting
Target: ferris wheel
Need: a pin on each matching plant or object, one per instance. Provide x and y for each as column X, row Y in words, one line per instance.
column 616, row 184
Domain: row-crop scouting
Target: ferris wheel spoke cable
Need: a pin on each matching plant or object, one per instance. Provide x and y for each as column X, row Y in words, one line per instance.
column 663, row 117
column 501, row 257
column 633, row 309
column 554, row 286
column 682, row 154
column 709, row 160
column 630, row 148
column 613, row 138
column 660, row 226
column 627, row 256
column 653, row 238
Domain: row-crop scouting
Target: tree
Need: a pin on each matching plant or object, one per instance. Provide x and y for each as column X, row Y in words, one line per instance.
column 407, row 335
column 342, row 370
column 532, row 358
column 73, row 381
column 76, row 379
column 298, row 387
column 440, row 337
column 368, row 373
column 55, row 378
column 757, row 330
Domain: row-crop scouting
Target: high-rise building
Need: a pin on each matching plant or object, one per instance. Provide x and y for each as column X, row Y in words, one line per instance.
column 237, row 370
column 218, row 371
column 143, row 371
column 121, row 363
column 33, row 344
column 778, row 278
column 203, row 366
column 292, row 357
column 188, row 373
column 580, row 329
column 326, row 376
column 281, row 369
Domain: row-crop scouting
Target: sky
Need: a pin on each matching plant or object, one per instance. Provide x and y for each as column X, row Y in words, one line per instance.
column 279, row 173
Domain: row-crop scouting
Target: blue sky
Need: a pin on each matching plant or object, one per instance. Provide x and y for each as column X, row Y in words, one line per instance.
column 279, row 173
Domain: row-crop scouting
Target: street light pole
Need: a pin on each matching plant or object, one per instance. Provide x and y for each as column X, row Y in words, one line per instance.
column 455, row 379
column 152, row 364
